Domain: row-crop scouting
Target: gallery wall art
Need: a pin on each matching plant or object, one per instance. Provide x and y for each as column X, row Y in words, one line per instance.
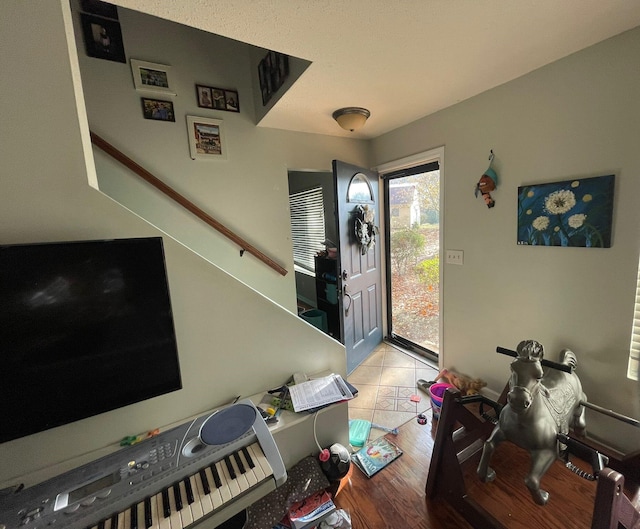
column 206, row 138
column 577, row 212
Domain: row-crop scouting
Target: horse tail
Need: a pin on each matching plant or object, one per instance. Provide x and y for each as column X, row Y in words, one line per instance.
column 568, row 357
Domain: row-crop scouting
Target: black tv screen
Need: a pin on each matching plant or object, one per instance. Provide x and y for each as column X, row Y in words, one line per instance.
column 85, row 327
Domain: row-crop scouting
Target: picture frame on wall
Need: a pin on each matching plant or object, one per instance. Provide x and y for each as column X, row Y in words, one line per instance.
column 273, row 70
column 570, row 213
column 265, row 82
column 206, row 138
column 157, row 109
column 217, row 98
column 204, row 96
column 102, row 38
column 100, row 8
column 152, row 77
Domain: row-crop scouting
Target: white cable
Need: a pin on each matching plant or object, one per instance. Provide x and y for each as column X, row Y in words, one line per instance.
column 315, row 417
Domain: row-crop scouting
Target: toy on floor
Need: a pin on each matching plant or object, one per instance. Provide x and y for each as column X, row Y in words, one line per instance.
column 466, row 385
column 394, row 431
column 359, row 430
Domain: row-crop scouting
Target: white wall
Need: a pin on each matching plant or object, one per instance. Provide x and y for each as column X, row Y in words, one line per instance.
column 247, row 192
column 575, row 118
column 231, row 340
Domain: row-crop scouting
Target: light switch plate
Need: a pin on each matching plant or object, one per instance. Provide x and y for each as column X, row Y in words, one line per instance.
column 455, row 257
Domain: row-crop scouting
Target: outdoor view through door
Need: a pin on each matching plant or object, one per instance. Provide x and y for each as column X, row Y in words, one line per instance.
column 412, row 198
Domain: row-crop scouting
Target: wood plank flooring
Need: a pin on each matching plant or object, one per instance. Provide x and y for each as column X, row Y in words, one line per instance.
column 395, row 497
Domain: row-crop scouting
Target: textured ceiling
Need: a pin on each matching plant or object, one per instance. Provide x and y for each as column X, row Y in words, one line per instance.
column 401, row 59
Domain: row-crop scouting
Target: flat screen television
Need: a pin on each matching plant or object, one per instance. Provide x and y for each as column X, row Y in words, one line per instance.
column 85, row 327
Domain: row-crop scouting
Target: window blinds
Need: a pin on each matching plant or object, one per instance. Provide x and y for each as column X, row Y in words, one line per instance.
column 634, row 353
column 307, row 226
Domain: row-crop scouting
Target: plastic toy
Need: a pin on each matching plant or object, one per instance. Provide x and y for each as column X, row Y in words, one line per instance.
column 487, row 183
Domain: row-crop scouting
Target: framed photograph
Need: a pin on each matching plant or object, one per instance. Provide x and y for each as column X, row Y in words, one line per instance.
column 219, row 102
column 204, row 96
column 265, row 82
column 150, row 77
column 157, row 110
column 217, row 98
column 102, row 38
column 206, row 138
column 283, row 65
column 577, row 212
column 273, row 69
column 102, row 9
column 231, row 101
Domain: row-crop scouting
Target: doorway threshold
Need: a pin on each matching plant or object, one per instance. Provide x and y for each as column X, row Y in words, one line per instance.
column 431, row 362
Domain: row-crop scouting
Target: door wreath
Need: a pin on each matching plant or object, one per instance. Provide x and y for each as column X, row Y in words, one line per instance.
column 365, row 230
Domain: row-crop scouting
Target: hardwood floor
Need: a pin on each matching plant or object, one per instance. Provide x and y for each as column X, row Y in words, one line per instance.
column 395, row 497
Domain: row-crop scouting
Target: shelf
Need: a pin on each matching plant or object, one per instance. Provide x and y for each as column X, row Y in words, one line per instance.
column 327, row 274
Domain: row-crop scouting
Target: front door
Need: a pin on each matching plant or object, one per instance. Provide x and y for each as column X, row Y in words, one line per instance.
column 360, row 278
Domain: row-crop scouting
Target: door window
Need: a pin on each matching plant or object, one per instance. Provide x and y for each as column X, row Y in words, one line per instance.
column 412, row 197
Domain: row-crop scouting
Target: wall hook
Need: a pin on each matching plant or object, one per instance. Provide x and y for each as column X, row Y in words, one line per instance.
column 242, row 252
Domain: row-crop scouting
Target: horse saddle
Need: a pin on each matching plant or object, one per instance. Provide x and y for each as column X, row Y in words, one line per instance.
column 561, row 402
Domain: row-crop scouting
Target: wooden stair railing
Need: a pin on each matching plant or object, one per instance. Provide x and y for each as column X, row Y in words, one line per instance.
column 184, row 202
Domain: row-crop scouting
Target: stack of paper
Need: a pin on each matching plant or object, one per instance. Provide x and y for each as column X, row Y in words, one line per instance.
column 319, row 392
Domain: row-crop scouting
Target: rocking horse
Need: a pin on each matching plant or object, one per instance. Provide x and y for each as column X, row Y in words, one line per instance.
column 472, row 424
column 541, row 408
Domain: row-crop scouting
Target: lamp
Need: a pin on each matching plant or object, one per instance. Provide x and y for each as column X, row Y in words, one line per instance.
column 351, row 118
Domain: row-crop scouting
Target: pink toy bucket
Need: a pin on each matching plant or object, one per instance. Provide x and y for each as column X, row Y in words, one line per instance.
column 437, row 394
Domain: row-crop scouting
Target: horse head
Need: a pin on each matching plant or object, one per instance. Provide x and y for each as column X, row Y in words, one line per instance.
column 519, row 399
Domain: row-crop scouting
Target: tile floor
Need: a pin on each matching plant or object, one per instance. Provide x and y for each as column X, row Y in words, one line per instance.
column 386, row 381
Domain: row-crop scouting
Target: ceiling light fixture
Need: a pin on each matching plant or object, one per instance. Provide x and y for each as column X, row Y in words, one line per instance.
column 351, row 118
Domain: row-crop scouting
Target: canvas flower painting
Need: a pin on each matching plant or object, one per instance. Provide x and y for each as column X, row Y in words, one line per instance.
column 571, row 213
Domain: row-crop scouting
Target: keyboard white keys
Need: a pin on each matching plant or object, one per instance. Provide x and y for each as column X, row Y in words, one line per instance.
column 154, row 512
column 203, row 498
column 260, row 461
column 175, row 519
column 127, row 519
column 196, row 502
column 241, row 478
column 250, row 475
column 163, row 523
column 215, row 496
column 185, row 511
column 188, row 500
column 234, row 489
column 224, row 488
column 160, row 483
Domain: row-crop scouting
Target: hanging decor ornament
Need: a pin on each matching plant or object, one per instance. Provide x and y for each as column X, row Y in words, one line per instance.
column 365, row 230
column 488, row 182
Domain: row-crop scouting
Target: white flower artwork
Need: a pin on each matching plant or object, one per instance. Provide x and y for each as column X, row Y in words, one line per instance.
column 570, row 213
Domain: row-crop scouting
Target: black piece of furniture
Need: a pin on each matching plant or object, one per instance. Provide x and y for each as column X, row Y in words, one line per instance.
column 327, row 293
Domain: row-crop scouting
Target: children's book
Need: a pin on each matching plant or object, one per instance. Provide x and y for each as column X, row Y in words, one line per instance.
column 310, row 511
column 375, row 455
